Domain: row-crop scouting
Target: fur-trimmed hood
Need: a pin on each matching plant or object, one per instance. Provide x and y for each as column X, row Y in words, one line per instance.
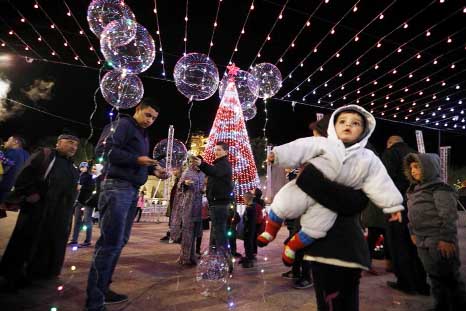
column 430, row 167
column 369, row 128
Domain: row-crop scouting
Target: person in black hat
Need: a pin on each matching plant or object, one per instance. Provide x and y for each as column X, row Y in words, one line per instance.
column 45, row 191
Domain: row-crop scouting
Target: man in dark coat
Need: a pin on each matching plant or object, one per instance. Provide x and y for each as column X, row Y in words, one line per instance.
column 46, row 187
column 14, row 152
column 408, row 269
column 219, row 193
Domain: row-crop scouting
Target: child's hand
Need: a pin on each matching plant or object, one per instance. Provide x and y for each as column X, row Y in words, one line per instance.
column 413, row 239
column 396, row 217
column 446, row 249
column 271, row 157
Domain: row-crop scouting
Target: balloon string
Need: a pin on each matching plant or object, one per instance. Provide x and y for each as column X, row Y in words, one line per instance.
column 93, row 113
column 190, row 102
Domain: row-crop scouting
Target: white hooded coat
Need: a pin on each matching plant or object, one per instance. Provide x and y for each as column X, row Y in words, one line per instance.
column 354, row 166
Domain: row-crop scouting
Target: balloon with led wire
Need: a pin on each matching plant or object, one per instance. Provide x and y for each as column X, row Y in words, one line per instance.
column 196, row 76
column 121, row 90
column 135, row 57
column 119, row 33
column 212, row 270
column 265, row 80
column 250, row 112
column 102, row 12
column 179, row 153
column 242, row 79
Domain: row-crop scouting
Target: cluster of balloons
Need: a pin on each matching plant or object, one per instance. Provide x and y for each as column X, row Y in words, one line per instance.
column 264, row 81
column 196, row 77
column 127, row 47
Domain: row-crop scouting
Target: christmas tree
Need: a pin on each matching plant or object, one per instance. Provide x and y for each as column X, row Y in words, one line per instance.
column 229, row 127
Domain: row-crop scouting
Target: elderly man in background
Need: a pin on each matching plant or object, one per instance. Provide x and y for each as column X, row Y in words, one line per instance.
column 45, row 191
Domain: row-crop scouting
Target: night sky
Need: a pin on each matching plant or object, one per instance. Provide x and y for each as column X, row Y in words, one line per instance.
column 74, row 86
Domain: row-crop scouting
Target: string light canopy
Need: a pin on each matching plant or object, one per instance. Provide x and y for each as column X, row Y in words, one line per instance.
column 404, row 61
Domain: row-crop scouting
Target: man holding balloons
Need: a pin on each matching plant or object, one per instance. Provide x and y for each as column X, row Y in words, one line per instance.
column 123, row 147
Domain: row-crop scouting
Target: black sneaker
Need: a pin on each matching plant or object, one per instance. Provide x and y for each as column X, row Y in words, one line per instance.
column 165, row 238
column 289, row 275
column 113, row 298
column 85, row 244
column 73, row 243
column 302, row 284
column 401, row 288
column 247, row 264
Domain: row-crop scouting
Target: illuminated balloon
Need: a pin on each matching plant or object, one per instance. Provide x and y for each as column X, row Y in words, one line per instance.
column 178, row 155
column 196, row 76
column 102, row 12
column 134, row 57
column 242, row 79
column 249, row 112
column 121, row 90
column 212, row 270
column 119, row 33
column 265, row 81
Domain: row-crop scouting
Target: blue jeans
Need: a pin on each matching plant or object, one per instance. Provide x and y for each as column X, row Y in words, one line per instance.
column 218, row 232
column 117, row 206
column 82, row 218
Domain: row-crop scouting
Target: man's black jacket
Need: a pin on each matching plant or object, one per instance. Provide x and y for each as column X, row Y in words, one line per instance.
column 220, row 180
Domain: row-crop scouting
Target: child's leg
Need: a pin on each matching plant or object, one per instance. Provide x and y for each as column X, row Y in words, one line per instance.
column 272, row 226
column 315, row 223
column 299, row 241
column 448, row 287
column 289, row 203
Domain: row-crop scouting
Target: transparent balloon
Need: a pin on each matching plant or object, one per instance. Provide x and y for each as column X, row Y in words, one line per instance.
column 121, row 90
column 265, row 80
column 134, row 57
column 119, row 33
column 179, row 153
column 242, row 80
column 196, row 76
column 250, row 112
column 102, row 12
column 212, row 270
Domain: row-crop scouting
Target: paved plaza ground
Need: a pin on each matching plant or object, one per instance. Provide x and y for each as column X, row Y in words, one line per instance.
column 149, row 275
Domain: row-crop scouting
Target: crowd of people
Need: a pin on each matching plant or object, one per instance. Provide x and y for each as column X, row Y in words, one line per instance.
column 338, row 185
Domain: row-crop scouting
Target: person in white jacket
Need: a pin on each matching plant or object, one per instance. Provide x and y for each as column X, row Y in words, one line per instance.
column 342, row 158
